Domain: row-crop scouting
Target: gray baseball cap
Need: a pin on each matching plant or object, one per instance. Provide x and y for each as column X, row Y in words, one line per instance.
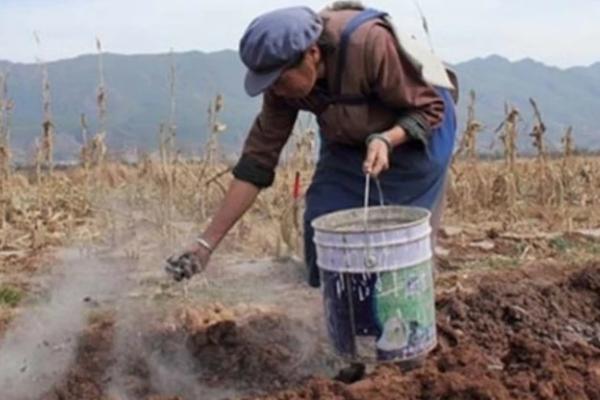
column 274, row 41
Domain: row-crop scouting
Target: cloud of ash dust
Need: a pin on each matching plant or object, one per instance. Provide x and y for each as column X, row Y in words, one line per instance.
column 40, row 344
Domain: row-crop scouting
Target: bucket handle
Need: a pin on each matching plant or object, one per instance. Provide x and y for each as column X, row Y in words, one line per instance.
column 370, row 261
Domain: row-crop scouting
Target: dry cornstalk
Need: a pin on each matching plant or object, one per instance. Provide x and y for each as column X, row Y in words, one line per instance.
column 468, row 143
column 539, row 129
column 101, row 99
column 6, row 106
column 38, row 161
column 546, row 178
column 85, row 153
column 45, row 150
column 172, row 124
column 98, row 149
column 47, row 142
column 215, row 129
column 505, row 187
column 509, row 134
column 565, row 184
column 568, row 143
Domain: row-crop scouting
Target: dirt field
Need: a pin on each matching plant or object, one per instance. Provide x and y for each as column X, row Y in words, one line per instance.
column 518, row 296
column 531, row 334
column 528, row 334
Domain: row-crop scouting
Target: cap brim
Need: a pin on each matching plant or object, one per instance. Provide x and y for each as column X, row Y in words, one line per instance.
column 256, row 83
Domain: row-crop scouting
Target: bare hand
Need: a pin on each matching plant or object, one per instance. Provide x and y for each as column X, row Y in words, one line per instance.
column 378, row 158
column 192, row 260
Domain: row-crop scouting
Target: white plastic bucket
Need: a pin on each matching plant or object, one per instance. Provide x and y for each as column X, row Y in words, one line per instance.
column 377, row 282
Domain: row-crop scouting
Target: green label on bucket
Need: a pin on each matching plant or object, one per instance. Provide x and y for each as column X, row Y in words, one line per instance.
column 405, row 309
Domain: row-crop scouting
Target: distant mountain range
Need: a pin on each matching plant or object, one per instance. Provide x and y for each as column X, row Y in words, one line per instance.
column 138, row 99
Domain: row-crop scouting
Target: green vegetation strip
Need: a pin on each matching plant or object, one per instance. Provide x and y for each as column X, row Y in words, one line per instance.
column 10, row 296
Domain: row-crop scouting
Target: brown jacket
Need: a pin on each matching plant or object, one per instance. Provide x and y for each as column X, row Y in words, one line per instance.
column 375, row 69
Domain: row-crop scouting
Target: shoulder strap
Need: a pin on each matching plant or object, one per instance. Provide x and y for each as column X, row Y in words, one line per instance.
column 361, row 18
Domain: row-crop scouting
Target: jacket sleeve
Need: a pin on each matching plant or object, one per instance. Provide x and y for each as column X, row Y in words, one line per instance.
column 262, row 148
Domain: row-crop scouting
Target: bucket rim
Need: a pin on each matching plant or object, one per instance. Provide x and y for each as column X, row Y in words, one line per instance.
column 319, row 224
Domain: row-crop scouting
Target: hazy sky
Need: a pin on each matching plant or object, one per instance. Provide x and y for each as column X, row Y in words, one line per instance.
column 556, row 32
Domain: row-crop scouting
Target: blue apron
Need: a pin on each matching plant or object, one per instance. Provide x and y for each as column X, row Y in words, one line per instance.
column 416, row 177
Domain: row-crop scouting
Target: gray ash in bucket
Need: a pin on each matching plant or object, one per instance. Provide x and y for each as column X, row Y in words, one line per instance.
column 379, row 218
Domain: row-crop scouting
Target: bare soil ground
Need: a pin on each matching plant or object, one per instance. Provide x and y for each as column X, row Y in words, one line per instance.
column 211, row 353
column 532, row 333
column 518, row 294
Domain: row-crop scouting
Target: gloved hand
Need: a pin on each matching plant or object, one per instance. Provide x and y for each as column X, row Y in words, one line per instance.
column 193, row 260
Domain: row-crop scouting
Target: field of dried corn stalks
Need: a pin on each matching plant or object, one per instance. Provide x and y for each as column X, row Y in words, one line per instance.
column 42, row 206
column 81, row 204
